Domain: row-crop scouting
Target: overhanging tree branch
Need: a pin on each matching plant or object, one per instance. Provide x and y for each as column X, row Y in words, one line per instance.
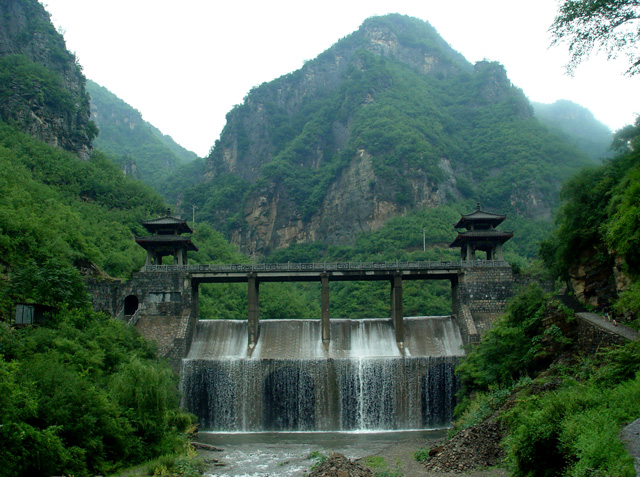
column 610, row 26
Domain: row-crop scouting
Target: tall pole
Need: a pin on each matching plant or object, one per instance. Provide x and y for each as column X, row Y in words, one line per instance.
column 193, row 214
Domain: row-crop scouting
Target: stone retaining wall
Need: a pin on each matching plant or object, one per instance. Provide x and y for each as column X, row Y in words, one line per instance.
column 485, row 291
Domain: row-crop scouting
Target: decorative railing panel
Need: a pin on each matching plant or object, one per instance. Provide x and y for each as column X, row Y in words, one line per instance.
column 328, row 267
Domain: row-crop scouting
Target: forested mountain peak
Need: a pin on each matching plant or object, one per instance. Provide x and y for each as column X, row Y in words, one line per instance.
column 388, row 120
column 42, row 87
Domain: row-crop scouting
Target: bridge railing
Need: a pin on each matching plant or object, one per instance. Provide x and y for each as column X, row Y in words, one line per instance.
column 325, row 266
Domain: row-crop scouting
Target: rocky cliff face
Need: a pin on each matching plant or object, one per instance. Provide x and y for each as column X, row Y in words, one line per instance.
column 387, row 120
column 598, row 278
column 43, row 88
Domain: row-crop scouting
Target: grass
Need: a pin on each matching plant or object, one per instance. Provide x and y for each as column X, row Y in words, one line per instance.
column 380, row 467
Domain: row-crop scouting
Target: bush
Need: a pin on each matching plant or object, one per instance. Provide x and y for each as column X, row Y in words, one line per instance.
column 83, row 395
column 516, row 346
column 573, row 431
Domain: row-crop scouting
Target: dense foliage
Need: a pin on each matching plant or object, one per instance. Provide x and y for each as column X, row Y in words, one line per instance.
column 42, row 88
column 516, row 346
column 563, row 415
column 56, row 211
column 83, row 395
column 600, row 217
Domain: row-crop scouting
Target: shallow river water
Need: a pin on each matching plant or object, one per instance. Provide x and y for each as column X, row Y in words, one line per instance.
column 284, row 454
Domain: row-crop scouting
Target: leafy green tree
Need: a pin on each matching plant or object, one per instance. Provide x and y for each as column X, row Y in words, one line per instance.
column 84, row 395
column 611, row 26
column 515, row 346
column 53, row 282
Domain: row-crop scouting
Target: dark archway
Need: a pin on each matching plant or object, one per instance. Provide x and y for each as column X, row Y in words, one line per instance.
column 131, row 304
column 289, row 400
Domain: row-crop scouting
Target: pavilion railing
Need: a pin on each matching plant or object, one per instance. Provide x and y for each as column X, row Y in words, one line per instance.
column 328, row 266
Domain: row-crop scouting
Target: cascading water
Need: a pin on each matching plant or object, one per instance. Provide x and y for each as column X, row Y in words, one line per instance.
column 291, row 382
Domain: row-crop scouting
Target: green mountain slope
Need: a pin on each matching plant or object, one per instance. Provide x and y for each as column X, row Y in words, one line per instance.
column 42, row 88
column 388, row 120
column 595, row 244
column 138, row 147
column 578, row 125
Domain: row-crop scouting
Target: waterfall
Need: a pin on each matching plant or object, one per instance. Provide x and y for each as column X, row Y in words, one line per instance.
column 291, row 382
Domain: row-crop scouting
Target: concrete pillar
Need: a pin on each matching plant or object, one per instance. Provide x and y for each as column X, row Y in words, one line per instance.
column 254, row 310
column 498, row 254
column 396, row 309
column 326, row 328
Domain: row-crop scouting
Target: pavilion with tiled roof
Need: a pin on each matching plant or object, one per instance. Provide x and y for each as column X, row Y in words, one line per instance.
column 480, row 234
column 166, row 240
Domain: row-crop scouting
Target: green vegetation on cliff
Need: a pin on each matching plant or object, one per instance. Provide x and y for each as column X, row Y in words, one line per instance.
column 54, row 206
column 562, row 408
column 578, row 125
column 389, row 117
column 137, row 147
column 600, row 218
column 42, row 88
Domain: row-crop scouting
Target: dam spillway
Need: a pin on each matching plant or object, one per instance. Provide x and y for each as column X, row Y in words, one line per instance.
column 292, row 382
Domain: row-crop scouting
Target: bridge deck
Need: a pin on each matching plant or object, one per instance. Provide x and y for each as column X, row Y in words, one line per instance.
column 336, row 271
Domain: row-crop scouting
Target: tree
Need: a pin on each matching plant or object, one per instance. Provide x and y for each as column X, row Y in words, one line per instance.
column 612, row 26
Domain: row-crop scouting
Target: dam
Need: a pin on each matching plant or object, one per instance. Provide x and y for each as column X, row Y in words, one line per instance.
column 292, row 382
column 328, row 374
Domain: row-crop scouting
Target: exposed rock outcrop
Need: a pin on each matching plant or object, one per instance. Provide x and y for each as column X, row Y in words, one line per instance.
column 387, row 120
column 43, row 89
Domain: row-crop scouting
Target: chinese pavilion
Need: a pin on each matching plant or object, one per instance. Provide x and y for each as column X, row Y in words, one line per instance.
column 480, row 234
column 166, row 240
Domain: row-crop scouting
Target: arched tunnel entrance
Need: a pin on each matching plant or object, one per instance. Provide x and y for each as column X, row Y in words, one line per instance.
column 131, row 304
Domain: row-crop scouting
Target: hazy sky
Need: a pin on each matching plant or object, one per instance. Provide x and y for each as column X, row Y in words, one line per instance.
column 185, row 64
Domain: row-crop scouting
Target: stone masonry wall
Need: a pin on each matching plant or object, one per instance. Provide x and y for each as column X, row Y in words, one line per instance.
column 104, row 295
column 590, row 338
column 165, row 304
column 159, row 293
column 485, row 290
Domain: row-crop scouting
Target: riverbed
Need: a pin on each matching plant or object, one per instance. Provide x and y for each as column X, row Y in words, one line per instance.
column 288, row 454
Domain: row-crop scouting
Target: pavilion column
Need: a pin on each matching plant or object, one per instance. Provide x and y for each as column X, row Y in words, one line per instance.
column 254, row 310
column 326, row 328
column 498, row 252
column 396, row 309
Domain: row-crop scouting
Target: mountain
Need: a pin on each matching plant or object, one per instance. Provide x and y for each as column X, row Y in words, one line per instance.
column 139, row 148
column 62, row 203
column 388, row 120
column 578, row 125
column 42, row 88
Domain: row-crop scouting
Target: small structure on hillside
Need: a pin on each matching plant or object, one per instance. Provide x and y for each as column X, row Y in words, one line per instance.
column 33, row 313
column 167, row 239
column 480, row 234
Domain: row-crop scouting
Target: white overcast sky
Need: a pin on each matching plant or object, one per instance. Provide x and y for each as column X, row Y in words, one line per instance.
column 185, row 64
